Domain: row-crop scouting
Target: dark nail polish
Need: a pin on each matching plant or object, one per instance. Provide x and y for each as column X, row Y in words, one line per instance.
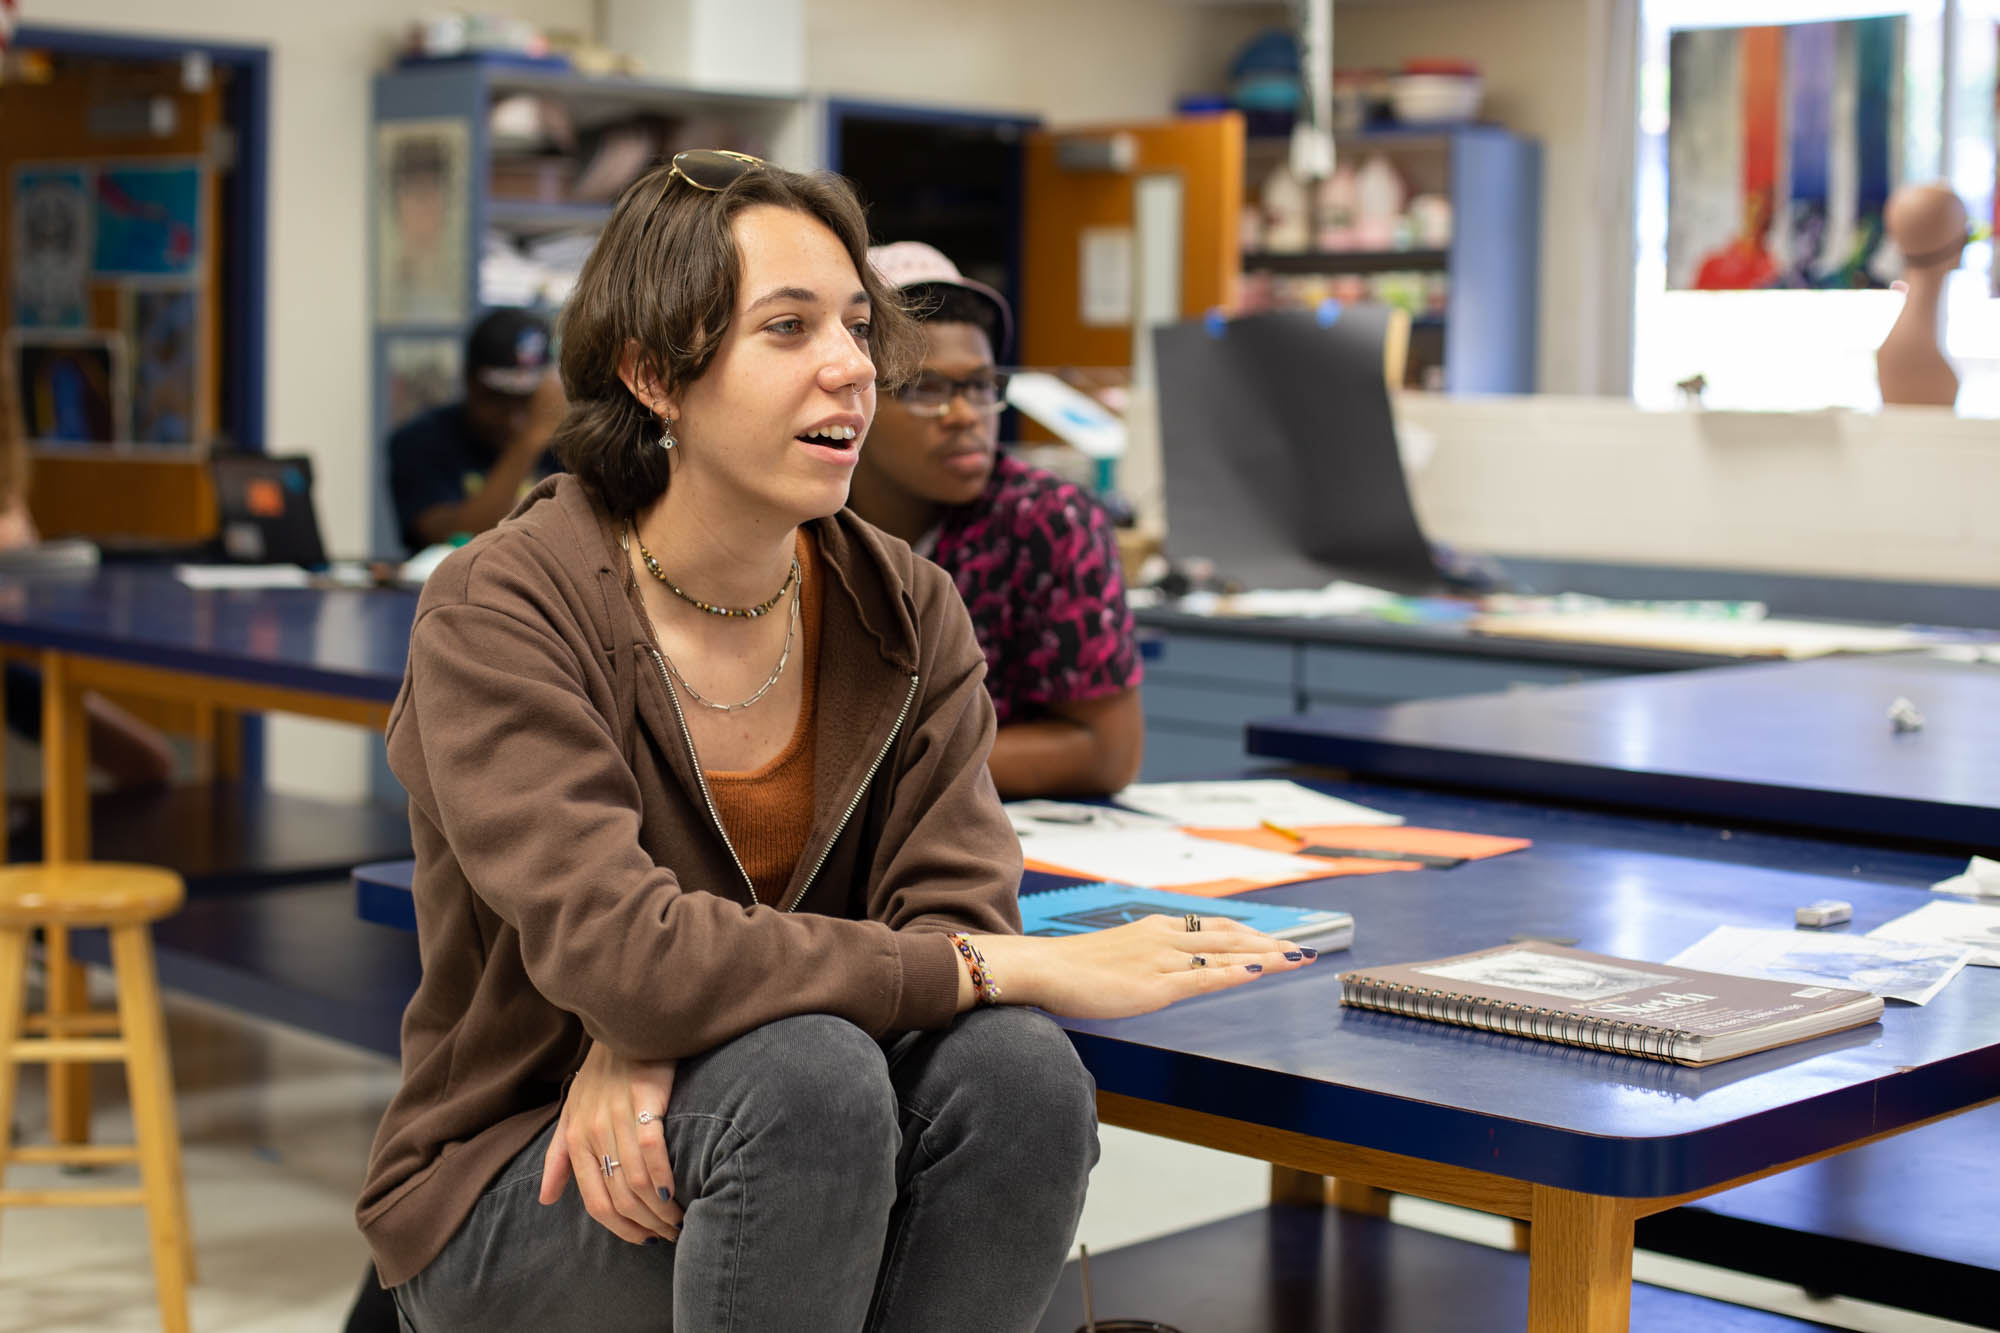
column 666, row 1194
column 1294, row 955
column 1310, row 953
column 1253, row 967
column 654, row 1240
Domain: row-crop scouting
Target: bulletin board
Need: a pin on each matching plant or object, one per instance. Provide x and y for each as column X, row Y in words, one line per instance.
column 108, row 276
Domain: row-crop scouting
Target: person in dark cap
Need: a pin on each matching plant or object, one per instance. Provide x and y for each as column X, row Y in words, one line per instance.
column 461, row 468
column 1034, row 557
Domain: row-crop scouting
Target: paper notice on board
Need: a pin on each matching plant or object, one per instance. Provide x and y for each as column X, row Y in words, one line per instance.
column 1104, row 276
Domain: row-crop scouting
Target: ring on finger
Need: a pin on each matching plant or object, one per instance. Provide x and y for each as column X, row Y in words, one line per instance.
column 647, row 1117
column 610, row 1165
column 1193, row 921
column 1194, row 960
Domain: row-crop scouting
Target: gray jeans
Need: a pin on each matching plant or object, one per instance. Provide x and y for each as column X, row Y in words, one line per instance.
column 830, row 1183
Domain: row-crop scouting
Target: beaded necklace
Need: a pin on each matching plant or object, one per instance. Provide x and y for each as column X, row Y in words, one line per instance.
column 742, row 612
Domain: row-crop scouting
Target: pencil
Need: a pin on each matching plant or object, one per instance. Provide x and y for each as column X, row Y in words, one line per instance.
column 1282, row 831
column 1083, row 1265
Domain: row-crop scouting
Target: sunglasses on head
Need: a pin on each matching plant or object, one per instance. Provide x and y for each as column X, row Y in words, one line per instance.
column 713, row 169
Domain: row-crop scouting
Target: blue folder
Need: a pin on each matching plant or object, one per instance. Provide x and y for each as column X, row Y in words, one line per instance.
column 1084, row 907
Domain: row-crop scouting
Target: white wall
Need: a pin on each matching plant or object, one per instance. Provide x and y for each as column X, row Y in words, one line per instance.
column 1069, row 61
column 1543, row 62
column 1902, row 494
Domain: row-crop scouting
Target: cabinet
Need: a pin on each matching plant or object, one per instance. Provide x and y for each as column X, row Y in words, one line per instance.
column 1209, row 680
column 479, row 197
column 1474, row 298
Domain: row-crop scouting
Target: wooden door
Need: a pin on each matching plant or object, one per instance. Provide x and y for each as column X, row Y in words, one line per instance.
column 1071, row 208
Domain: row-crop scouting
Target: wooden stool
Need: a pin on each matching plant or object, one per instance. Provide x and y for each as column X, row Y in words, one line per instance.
column 124, row 900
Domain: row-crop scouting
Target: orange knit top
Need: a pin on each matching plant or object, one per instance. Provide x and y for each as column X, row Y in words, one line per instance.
column 767, row 811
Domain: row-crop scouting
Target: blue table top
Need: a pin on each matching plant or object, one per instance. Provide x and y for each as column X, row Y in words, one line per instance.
column 349, row 642
column 1283, row 1052
column 1805, row 744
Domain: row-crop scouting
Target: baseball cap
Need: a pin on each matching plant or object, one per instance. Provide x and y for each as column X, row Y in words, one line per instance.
column 508, row 351
column 911, row 266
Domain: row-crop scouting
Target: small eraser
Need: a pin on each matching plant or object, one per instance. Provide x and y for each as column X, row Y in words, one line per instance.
column 1824, row 912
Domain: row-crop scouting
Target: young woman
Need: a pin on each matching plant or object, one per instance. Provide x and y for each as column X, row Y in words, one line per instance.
column 714, row 892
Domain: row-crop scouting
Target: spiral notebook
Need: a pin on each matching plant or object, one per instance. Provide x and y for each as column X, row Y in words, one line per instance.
column 1553, row 993
column 1083, row 907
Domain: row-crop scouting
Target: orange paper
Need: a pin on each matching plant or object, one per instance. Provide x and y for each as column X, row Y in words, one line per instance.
column 1434, row 842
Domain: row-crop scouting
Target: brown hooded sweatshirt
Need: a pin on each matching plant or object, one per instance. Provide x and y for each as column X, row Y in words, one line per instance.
column 573, row 883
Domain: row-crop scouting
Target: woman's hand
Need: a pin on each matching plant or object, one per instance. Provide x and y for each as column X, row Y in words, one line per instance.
column 1132, row 969
column 602, row 1118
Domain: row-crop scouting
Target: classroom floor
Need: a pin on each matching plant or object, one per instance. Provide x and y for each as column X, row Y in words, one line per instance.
column 276, row 1126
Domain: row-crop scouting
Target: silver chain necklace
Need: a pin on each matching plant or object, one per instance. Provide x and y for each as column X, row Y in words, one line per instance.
column 791, row 630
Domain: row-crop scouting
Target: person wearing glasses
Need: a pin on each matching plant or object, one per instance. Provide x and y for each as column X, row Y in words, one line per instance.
column 1034, row 557
column 725, row 1022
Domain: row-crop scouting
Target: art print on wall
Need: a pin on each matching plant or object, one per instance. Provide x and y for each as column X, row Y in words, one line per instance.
column 422, row 372
column 164, row 326
column 1780, row 155
column 51, row 247
column 71, row 386
column 147, row 220
column 421, row 206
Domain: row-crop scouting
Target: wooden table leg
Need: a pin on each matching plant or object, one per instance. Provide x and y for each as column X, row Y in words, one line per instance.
column 1579, row 1263
column 1309, row 1187
column 65, row 837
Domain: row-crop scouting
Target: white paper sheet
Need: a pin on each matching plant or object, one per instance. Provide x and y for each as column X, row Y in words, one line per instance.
column 1246, row 804
column 1894, row 969
column 1974, row 925
column 242, row 576
column 1038, row 818
column 1164, row 860
column 1979, row 879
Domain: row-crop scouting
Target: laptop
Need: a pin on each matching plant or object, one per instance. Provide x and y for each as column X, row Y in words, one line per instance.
column 1278, row 446
column 265, row 508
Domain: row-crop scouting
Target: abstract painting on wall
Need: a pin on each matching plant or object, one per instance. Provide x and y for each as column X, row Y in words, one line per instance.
column 1780, row 154
column 148, row 222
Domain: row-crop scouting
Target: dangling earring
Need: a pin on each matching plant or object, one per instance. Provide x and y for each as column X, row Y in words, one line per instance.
column 667, row 440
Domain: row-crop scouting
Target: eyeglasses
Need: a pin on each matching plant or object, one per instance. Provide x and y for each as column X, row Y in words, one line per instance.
column 713, row 169
column 930, row 394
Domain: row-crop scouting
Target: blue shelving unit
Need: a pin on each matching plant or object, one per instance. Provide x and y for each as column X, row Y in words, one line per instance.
column 1493, row 179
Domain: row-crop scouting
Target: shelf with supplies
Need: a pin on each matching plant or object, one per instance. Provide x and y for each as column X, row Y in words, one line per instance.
column 489, row 184
column 1344, row 261
column 532, row 216
column 1386, row 228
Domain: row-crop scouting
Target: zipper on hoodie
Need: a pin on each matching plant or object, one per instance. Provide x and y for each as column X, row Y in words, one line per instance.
column 909, row 698
column 701, row 780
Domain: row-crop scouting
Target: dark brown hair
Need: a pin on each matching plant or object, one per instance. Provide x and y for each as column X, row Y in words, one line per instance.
column 663, row 276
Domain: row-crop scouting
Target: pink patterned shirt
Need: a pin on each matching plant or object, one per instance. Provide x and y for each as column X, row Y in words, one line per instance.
column 1036, row 560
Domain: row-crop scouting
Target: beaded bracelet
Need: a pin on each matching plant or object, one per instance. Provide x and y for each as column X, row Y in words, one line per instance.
column 984, row 989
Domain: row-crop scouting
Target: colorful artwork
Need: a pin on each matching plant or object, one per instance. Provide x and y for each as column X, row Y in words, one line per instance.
column 71, row 386
column 423, row 372
column 148, row 220
column 51, row 247
column 421, row 204
column 164, row 327
column 1778, row 154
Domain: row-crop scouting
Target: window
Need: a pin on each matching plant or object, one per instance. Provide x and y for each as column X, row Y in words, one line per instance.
column 1806, row 349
